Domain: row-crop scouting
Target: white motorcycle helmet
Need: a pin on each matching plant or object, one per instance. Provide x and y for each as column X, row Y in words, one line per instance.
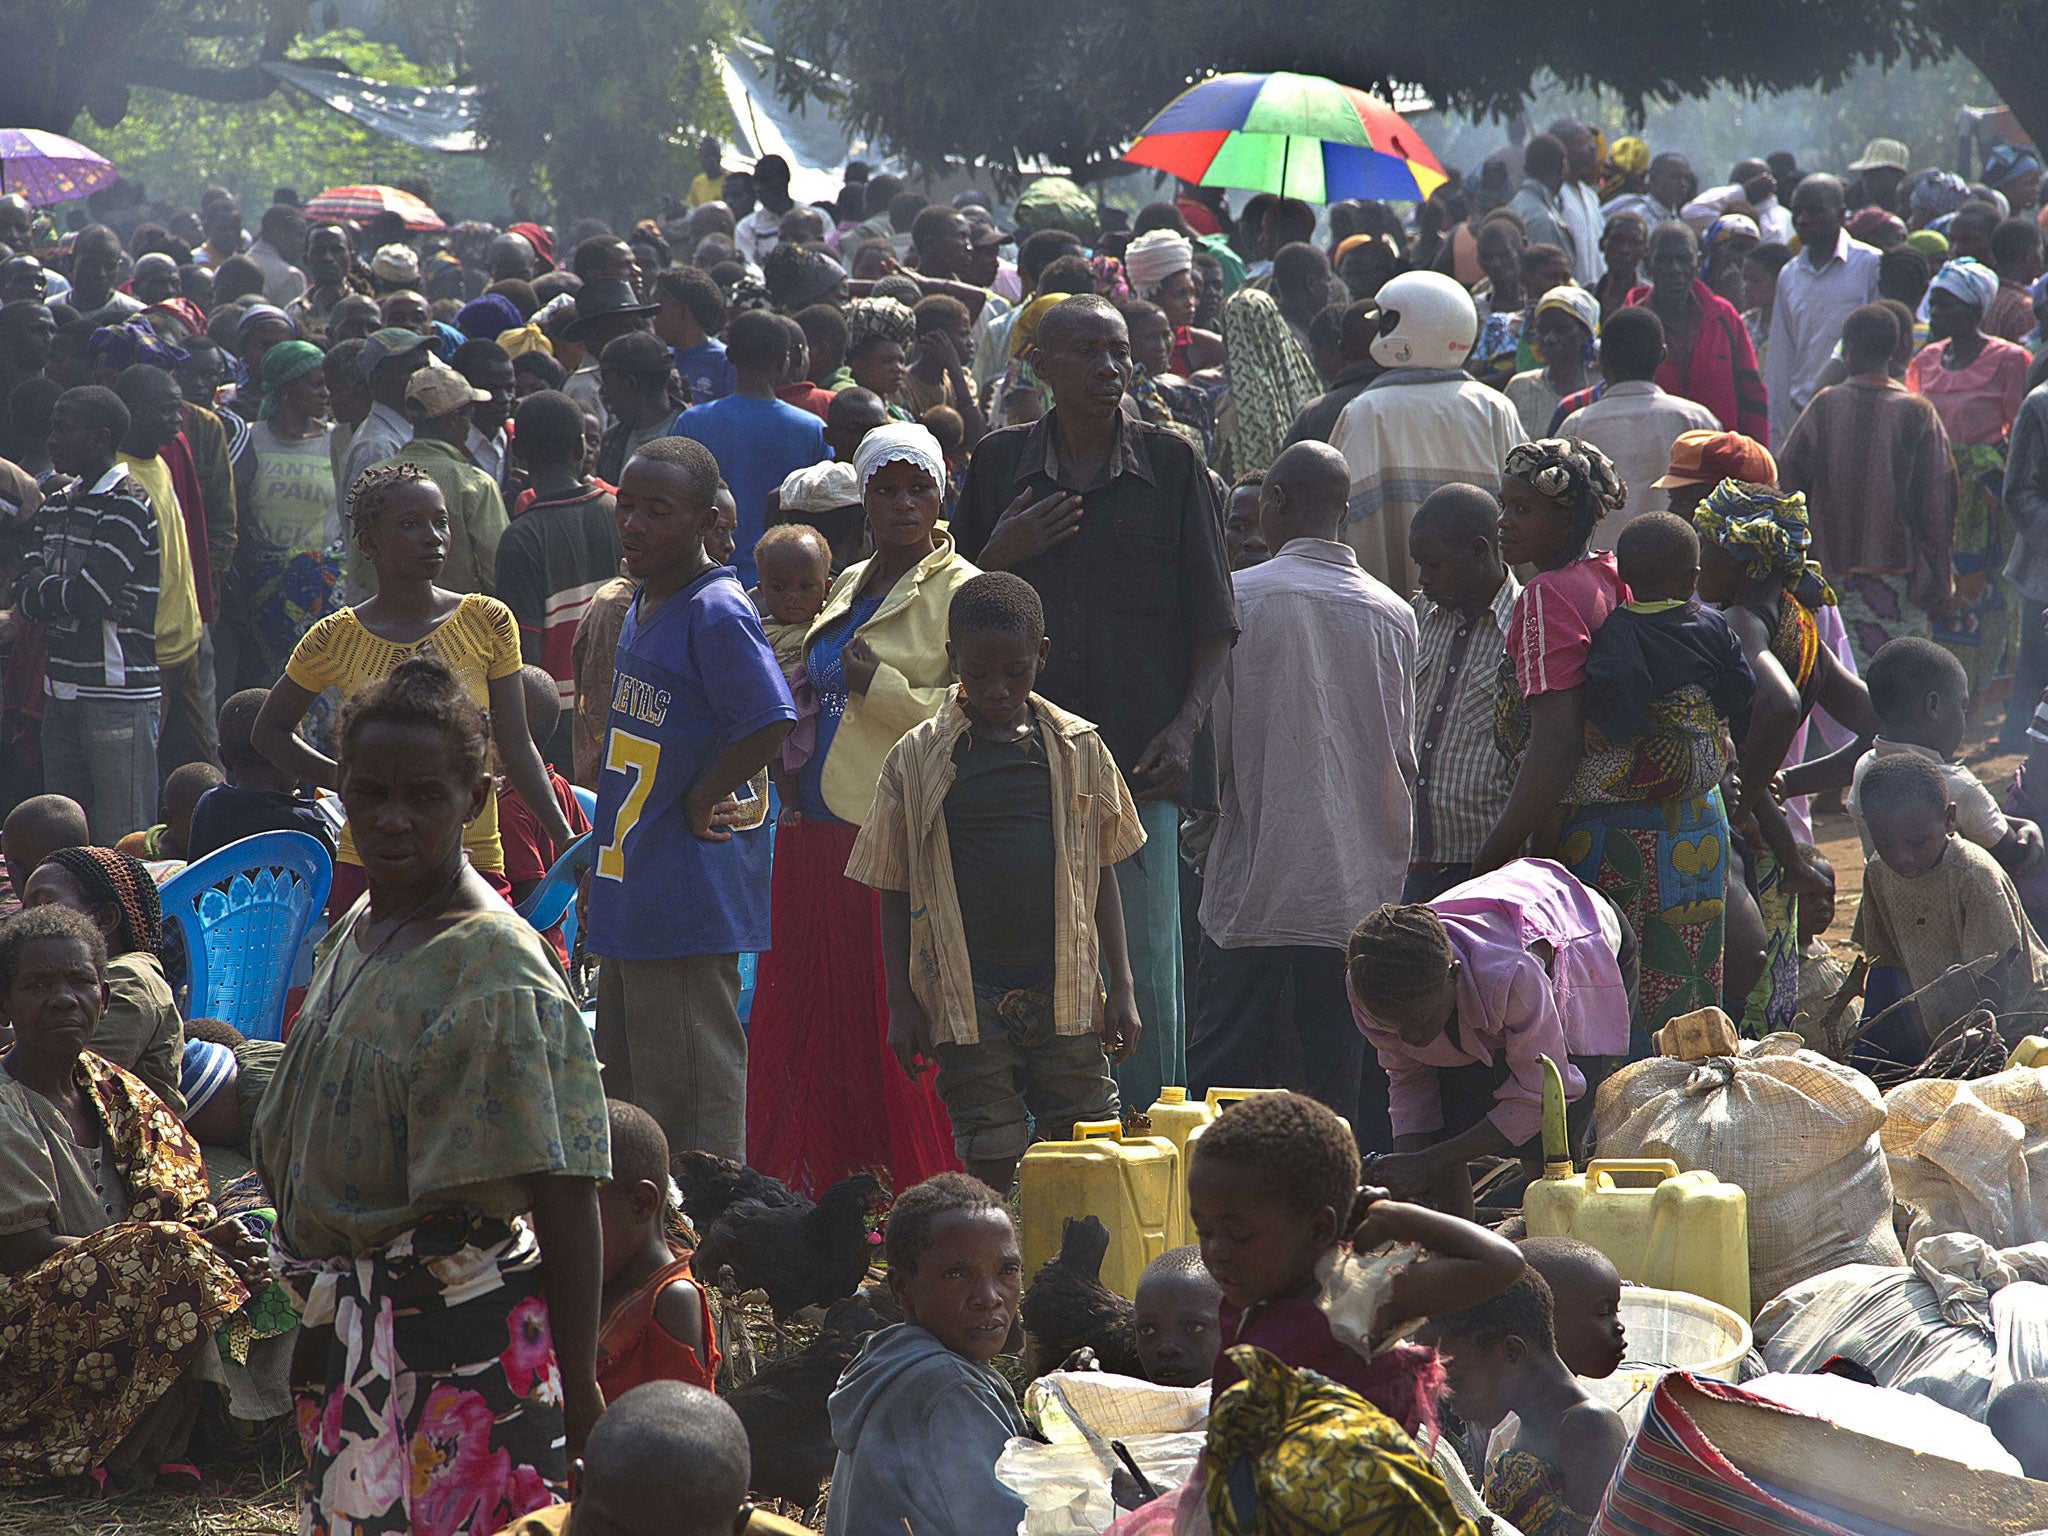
column 1427, row 320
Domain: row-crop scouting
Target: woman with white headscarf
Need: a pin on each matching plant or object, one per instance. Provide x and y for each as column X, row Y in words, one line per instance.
column 1160, row 267
column 825, row 1099
column 1975, row 383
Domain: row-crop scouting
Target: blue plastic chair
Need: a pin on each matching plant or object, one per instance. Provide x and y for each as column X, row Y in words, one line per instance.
column 554, row 899
column 244, row 912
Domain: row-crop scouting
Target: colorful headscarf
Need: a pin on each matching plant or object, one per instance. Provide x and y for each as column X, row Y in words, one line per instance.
column 900, row 441
column 1109, row 277
column 110, row 879
column 131, row 342
column 1969, row 281
column 187, row 314
column 1728, row 227
column 1931, row 243
column 487, row 315
column 890, row 319
column 1024, row 329
column 1571, row 473
column 526, row 338
column 1766, row 529
column 1574, row 301
column 283, row 364
column 1271, row 378
column 205, row 1069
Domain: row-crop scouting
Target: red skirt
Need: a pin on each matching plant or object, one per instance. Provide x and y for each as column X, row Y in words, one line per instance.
column 825, row 1099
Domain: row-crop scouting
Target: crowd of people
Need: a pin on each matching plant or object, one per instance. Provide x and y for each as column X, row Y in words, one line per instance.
column 1055, row 654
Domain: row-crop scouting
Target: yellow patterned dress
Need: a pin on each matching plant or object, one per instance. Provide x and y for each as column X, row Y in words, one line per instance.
column 94, row 1336
column 1293, row 1454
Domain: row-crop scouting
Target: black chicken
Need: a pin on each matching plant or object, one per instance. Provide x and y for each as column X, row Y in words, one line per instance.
column 801, row 1254
column 1069, row 1308
column 710, row 1184
column 783, row 1407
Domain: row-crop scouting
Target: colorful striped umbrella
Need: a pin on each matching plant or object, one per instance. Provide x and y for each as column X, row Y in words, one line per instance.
column 1294, row 135
column 48, row 168
column 359, row 205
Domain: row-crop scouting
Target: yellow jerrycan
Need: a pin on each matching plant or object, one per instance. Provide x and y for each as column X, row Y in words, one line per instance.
column 2030, row 1052
column 1176, row 1118
column 1214, row 1102
column 1132, row 1184
column 1659, row 1227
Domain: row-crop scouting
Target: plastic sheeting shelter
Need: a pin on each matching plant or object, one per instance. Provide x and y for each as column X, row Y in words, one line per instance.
column 814, row 142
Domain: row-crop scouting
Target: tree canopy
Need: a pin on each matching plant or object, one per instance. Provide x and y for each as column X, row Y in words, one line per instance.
column 596, row 102
column 1071, row 81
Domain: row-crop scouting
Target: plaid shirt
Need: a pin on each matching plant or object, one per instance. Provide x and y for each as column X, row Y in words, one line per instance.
column 902, row 847
column 1461, row 782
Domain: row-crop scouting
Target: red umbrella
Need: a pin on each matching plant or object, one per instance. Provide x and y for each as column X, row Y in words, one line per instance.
column 359, row 205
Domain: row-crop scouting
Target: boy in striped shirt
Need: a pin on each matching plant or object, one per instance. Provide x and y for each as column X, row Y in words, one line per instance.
column 93, row 581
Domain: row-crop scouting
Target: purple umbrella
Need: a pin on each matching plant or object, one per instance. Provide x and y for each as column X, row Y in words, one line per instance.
column 49, row 168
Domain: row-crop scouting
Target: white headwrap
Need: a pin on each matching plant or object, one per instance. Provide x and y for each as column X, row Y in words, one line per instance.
column 820, row 488
column 903, row 441
column 1155, row 256
column 1968, row 280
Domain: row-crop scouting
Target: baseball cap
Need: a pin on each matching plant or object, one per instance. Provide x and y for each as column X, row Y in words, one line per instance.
column 1708, row 458
column 438, row 389
column 391, row 341
column 1884, row 154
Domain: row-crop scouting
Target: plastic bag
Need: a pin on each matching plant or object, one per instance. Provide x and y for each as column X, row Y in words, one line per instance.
column 1972, row 1156
column 1797, row 1131
column 1963, row 1322
column 1065, row 1488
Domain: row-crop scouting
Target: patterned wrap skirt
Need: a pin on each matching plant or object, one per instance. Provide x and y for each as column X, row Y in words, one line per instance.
column 439, row 1409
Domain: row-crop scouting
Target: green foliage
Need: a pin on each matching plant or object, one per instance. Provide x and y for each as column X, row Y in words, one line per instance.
column 1071, row 81
column 178, row 145
column 604, row 99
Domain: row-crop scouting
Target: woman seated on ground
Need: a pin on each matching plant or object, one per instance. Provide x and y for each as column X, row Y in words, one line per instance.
column 139, row 1029
column 114, row 1273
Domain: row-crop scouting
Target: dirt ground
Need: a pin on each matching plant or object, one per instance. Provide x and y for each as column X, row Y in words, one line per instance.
column 1835, row 835
column 260, row 1500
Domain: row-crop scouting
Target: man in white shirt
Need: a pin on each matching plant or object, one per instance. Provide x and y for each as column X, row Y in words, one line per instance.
column 1749, row 182
column 1423, row 423
column 389, row 359
column 1580, row 199
column 1830, row 278
column 1670, row 186
column 1313, row 792
column 1634, row 422
column 280, row 241
column 761, row 231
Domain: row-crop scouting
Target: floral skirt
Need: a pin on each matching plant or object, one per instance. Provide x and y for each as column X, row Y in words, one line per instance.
column 1979, row 629
column 1875, row 609
column 92, row 1337
column 440, row 1407
column 1665, row 864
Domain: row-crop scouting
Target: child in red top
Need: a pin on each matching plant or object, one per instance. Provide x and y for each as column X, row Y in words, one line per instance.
column 656, row 1323
column 529, row 852
column 1271, row 1187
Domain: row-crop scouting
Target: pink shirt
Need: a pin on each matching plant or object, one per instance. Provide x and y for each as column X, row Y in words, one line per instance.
column 1552, row 626
column 1509, row 1002
column 1977, row 404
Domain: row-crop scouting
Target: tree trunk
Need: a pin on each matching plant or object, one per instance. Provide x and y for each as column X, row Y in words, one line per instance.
column 2007, row 53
